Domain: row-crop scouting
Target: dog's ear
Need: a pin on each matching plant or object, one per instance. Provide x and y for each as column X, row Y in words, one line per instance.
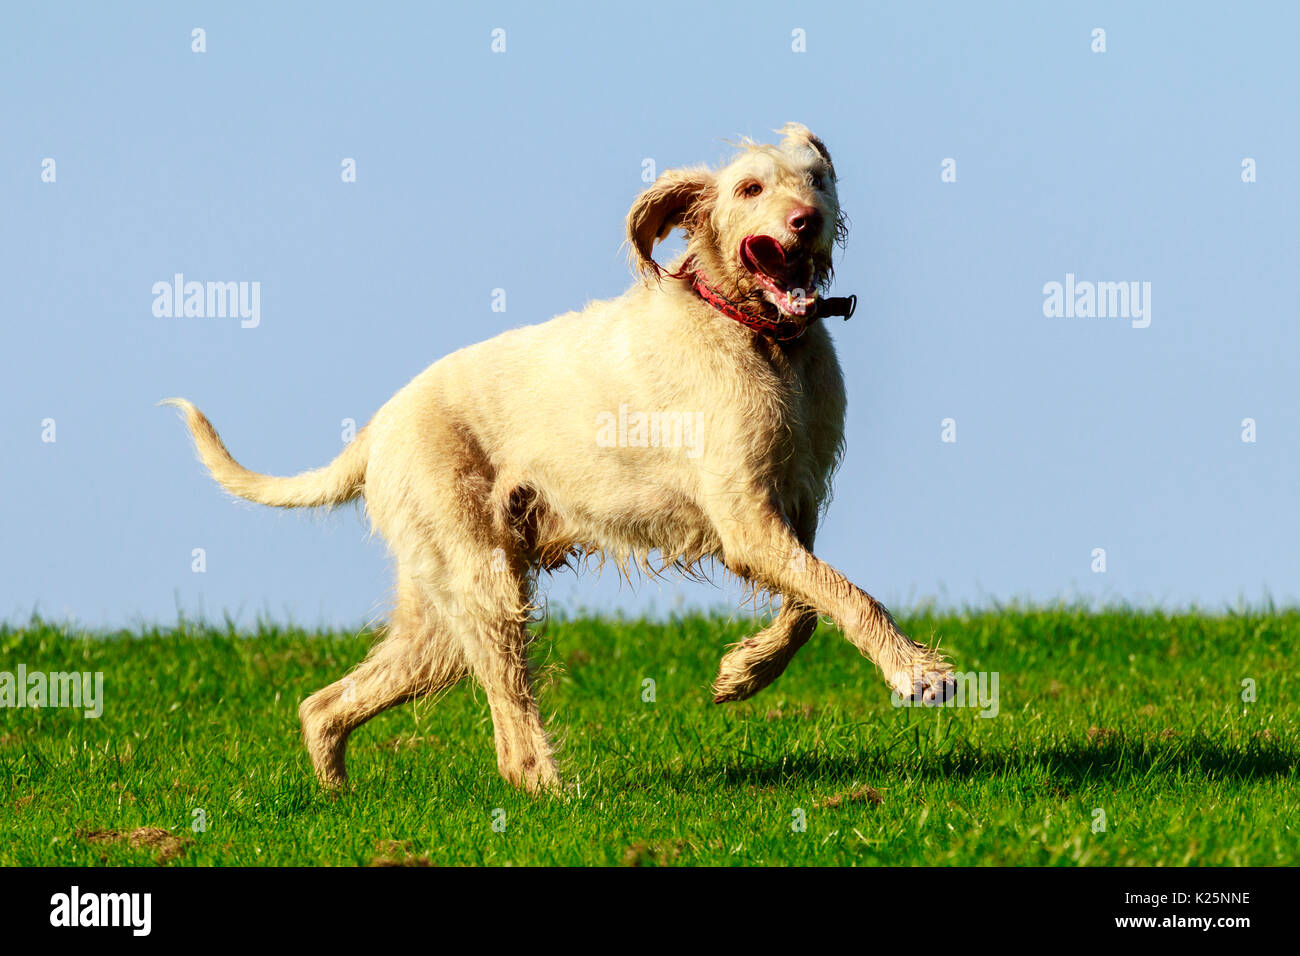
column 678, row 198
column 796, row 134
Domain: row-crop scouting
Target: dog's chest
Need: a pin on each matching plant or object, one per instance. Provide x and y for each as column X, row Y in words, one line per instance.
column 808, row 429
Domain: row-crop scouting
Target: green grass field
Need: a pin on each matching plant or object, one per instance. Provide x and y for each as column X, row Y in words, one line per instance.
column 1137, row 716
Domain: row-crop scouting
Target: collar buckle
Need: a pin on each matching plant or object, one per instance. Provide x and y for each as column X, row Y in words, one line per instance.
column 781, row 330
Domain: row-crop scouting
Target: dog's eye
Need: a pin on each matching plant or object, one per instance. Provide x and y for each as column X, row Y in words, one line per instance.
column 752, row 189
column 816, row 181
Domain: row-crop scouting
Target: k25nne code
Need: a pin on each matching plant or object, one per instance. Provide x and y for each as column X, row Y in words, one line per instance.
column 1203, row 898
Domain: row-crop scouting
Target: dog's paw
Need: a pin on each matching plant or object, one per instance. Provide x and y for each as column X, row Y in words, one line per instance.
column 936, row 687
column 531, row 774
column 732, row 685
column 749, row 667
column 932, row 687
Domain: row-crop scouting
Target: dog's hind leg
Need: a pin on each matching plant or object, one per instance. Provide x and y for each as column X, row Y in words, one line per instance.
column 420, row 655
column 498, row 659
column 492, row 598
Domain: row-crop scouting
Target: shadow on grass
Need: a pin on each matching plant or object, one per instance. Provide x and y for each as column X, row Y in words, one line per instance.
column 1053, row 766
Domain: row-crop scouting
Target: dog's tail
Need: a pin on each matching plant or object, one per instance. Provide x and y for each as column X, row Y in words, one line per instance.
column 341, row 480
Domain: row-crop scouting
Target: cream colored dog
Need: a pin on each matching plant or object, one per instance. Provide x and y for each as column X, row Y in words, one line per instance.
column 699, row 415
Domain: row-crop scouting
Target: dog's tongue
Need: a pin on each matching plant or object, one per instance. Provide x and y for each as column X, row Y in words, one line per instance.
column 763, row 254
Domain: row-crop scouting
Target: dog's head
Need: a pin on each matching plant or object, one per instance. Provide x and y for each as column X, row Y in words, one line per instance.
column 762, row 228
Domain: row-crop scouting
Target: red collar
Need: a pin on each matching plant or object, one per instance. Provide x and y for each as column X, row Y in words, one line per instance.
column 780, row 330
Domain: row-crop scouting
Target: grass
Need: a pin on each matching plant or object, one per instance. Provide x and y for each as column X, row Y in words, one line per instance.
column 1135, row 715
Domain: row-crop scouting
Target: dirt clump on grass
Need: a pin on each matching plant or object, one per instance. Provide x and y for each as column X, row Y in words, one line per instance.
column 167, row 845
column 645, row 854
column 398, row 853
column 862, row 794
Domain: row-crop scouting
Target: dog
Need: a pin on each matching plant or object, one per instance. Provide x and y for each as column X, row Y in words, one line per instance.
column 698, row 416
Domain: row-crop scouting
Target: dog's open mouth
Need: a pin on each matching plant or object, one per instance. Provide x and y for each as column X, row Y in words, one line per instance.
column 791, row 286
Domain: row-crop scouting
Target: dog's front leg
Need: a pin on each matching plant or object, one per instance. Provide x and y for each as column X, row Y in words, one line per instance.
column 759, row 545
column 755, row 662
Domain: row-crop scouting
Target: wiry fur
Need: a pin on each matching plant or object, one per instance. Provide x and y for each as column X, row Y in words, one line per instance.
column 485, row 469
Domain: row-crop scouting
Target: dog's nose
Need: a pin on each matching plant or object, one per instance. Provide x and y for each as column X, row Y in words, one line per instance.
column 804, row 219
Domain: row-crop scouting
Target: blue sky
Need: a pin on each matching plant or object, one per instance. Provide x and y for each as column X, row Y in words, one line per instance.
column 479, row 170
